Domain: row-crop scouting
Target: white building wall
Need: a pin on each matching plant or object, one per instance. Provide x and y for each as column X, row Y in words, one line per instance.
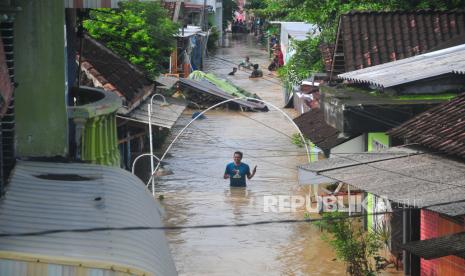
column 352, row 146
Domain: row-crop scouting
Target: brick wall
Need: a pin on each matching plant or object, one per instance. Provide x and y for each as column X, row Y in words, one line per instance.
column 432, row 225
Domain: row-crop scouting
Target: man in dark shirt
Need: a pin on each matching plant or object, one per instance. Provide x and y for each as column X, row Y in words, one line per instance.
column 256, row 73
column 237, row 171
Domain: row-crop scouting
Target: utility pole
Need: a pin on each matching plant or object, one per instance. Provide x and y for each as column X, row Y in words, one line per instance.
column 177, row 8
column 204, row 16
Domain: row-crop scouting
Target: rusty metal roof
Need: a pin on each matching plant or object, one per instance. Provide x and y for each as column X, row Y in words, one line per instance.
column 441, row 128
column 420, row 67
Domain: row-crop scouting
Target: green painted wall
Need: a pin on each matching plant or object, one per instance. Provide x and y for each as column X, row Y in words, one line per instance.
column 40, row 99
column 376, row 141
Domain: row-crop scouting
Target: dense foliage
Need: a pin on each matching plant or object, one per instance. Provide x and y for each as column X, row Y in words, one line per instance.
column 325, row 14
column 141, row 32
column 353, row 245
column 307, row 59
column 213, row 39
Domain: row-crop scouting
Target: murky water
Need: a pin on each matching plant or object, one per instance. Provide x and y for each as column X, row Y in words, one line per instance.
column 197, row 194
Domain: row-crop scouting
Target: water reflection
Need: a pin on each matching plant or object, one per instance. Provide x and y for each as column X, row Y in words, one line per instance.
column 238, row 198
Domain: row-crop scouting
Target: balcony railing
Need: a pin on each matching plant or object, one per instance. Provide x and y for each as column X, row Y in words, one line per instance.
column 95, row 120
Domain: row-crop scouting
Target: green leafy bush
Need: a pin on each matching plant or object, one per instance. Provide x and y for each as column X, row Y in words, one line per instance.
column 141, row 32
column 353, row 245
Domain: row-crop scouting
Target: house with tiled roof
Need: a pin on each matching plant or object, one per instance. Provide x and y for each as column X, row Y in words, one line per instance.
column 103, row 68
column 368, row 38
column 422, row 177
column 442, row 131
column 383, row 94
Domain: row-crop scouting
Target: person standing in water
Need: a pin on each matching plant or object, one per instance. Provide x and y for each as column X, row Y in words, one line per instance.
column 237, row 171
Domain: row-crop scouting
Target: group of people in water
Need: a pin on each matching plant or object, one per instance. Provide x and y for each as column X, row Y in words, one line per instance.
column 246, row 64
column 277, row 62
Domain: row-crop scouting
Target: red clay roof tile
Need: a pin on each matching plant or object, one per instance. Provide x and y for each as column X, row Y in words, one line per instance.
column 441, row 128
column 370, row 38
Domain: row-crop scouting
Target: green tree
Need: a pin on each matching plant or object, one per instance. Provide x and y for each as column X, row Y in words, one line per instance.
column 141, row 32
column 306, row 60
column 353, row 245
column 325, row 15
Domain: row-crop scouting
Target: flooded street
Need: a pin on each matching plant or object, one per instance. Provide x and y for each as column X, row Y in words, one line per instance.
column 197, row 194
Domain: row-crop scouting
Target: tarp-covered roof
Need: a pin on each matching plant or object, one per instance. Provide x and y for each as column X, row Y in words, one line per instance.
column 420, row 67
column 403, row 175
column 43, row 196
column 204, row 86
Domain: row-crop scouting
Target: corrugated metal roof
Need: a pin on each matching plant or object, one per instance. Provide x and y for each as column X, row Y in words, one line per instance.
column 163, row 115
column 438, row 247
column 207, row 87
column 402, row 175
column 167, row 82
column 411, row 69
column 111, row 198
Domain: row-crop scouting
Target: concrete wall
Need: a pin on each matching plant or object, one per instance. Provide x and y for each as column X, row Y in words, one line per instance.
column 41, row 117
column 354, row 145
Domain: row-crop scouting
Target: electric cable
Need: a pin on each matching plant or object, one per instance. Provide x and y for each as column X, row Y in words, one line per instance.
column 206, row 226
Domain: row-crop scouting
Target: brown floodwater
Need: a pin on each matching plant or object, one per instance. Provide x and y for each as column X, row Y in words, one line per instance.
column 196, row 194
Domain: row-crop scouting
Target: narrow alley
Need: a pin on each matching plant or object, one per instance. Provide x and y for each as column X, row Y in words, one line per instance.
column 197, row 194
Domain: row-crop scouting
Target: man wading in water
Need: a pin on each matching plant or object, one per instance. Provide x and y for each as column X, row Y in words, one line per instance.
column 236, row 171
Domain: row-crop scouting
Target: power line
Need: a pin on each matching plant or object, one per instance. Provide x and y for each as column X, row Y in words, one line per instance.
column 207, row 226
column 246, row 154
column 266, row 125
column 398, row 173
column 236, row 147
